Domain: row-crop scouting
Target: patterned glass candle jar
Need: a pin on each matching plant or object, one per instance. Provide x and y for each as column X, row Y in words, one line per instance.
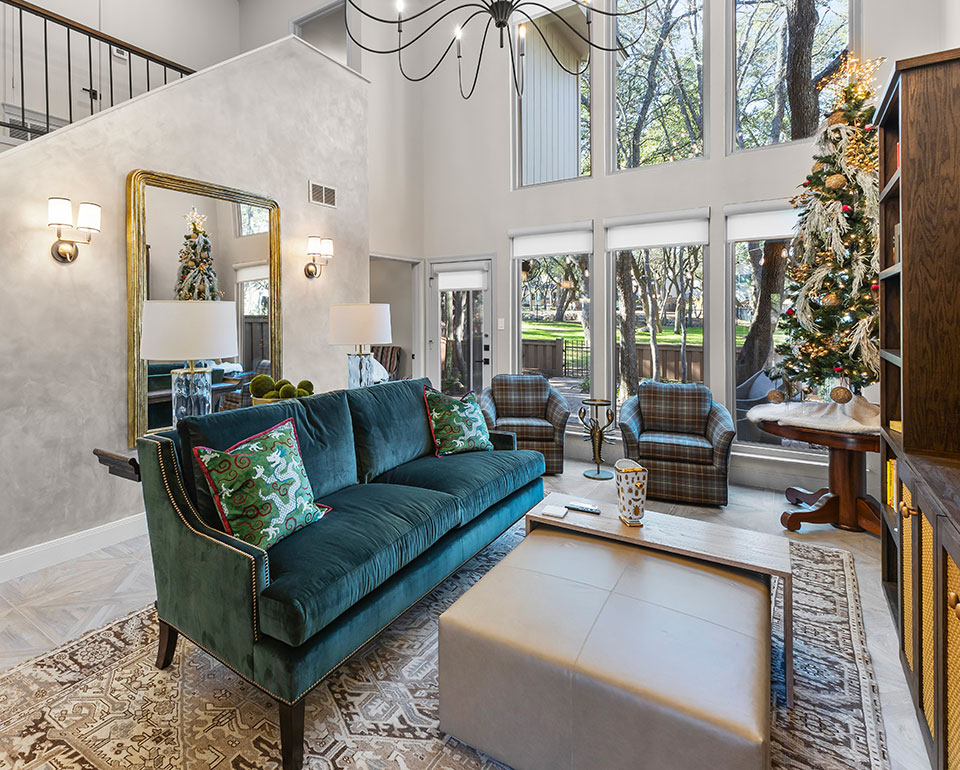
column 631, row 491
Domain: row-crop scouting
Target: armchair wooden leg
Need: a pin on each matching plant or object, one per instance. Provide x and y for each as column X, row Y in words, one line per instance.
column 168, row 645
column 291, row 734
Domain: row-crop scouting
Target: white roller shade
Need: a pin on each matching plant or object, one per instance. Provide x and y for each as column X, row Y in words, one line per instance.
column 248, row 272
column 462, row 280
column 553, row 244
column 649, row 235
column 762, row 225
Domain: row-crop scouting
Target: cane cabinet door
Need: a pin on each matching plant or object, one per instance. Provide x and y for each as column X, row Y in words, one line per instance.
column 948, row 571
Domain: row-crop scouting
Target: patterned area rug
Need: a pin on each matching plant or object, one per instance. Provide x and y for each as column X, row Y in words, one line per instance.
column 98, row 702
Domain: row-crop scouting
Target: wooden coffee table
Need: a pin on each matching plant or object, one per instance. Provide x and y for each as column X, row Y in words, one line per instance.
column 714, row 543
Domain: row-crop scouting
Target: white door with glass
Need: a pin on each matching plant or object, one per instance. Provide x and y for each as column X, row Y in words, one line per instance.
column 459, row 344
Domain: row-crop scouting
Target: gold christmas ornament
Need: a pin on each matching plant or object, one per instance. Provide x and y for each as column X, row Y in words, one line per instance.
column 818, row 167
column 776, row 397
column 830, row 300
column 835, row 181
column 836, row 117
column 841, row 394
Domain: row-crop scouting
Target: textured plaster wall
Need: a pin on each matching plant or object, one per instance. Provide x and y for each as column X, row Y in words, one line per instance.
column 63, row 389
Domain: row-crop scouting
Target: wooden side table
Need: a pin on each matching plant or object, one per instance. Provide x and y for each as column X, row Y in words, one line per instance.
column 845, row 503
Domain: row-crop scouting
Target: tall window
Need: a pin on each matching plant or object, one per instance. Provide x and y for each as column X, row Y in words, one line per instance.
column 659, row 85
column 659, row 316
column 555, row 323
column 555, row 107
column 784, row 49
column 252, row 219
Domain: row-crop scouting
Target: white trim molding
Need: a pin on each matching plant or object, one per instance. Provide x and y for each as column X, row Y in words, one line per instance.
column 35, row 557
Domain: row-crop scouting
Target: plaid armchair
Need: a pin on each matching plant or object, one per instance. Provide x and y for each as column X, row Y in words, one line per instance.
column 683, row 437
column 527, row 406
column 240, row 398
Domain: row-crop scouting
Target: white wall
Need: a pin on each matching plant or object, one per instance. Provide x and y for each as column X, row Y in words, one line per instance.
column 64, row 392
column 951, row 23
column 391, row 281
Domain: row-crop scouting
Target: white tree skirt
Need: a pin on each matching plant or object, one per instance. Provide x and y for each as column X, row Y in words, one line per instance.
column 856, row 416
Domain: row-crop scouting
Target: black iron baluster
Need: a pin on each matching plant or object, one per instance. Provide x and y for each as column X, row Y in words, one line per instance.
column 90, row 65
column 23, row 99
column 110, row 60
column 147, row 62
column 130, row 71
column 46, row 74
column 69, row 78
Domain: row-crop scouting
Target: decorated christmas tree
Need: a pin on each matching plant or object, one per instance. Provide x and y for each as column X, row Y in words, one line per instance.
column 197, row 278
column 831, row 316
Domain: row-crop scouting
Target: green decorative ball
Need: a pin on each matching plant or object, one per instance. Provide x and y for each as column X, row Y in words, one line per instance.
column 270, row 394
column 301, row 392
column 305, row 385
column 281, row 383
column 288, row 391
column 261, row 385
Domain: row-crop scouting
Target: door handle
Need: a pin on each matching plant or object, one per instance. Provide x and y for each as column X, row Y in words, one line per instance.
column 953, row 602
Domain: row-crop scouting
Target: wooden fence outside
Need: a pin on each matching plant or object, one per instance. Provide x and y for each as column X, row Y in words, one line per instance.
column 546, row 357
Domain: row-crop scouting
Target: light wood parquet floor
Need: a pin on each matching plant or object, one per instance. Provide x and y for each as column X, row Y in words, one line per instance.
column 41, row 610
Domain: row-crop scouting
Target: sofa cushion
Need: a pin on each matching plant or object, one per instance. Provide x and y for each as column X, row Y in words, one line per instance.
column 323, row 570
column 520, row 395
column 324, row 429
column 673, row 407
column 679, row 447
column 457, row 424
column 476, row 479
column 532, row 428
column 390, row 426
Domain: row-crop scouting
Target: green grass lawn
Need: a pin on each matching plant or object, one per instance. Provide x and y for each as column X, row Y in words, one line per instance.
column 572, row 331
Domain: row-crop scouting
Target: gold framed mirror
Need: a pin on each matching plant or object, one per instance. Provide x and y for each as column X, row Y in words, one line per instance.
column 162, row 209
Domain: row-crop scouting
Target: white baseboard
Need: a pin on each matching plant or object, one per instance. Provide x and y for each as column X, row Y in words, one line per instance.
column 34, row 557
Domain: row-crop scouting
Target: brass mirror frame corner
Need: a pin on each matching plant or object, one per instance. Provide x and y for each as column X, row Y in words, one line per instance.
column 137, row 183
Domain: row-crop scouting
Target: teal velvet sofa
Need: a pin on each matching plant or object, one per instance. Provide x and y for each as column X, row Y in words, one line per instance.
column 402, row 520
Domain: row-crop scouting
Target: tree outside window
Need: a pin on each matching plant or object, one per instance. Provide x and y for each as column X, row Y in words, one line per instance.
column 659, row 316
column 784, row 49
column 253, row 219
column 659, row 84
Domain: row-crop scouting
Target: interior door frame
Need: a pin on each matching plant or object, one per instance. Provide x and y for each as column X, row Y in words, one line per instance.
column 418, row 363
column 486, row 262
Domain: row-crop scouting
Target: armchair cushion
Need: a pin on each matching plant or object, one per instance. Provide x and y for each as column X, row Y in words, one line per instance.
column 680, row 447
column 476, row 479
column 520, row 395
column 373, row 531
column 672, row 407
column 529, row 428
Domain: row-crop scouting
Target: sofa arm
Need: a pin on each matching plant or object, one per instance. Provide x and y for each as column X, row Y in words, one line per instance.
column 488, row 407
column 631, row 425
column 501, row 439
column 720, row 433
column 208, row 583
column 557, row 413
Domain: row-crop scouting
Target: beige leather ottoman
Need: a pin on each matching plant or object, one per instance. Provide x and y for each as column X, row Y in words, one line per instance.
column 577, row 653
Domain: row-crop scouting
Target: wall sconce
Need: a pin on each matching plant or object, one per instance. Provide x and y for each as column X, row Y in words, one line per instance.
column 317, row 249
column 60, row 215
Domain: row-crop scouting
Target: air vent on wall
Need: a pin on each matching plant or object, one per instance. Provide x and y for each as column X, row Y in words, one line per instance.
column 323, row 195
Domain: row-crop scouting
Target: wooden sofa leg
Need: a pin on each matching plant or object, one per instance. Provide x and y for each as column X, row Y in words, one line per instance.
column 168, row 645
column 291, row 734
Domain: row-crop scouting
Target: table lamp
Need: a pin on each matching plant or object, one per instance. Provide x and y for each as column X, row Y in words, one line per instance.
column 360, row 325
column 191, row 331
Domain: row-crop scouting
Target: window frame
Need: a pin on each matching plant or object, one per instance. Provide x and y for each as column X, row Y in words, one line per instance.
column 238, row 216
column 610, row 92
column 854, row 44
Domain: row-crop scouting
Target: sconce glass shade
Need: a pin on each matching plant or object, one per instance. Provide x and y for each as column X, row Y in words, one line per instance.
column 320, row 247
column 88, row 217
column 59, row 212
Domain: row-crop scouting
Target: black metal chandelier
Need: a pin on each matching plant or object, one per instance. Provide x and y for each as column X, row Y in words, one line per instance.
column 500, row 14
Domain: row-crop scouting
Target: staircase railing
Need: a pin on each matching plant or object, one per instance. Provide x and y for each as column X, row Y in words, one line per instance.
column 37, row 40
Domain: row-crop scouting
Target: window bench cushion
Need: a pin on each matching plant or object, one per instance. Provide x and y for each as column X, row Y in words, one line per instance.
column 476, row 479
column 323, row 570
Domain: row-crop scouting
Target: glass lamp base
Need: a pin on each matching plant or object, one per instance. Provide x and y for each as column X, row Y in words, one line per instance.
column 192, row 393
column 359, row 370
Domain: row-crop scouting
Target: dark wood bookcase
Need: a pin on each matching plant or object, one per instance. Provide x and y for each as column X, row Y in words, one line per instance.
column 919, row 123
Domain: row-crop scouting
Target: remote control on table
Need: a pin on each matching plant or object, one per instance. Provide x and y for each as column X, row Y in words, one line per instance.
column 584, row 507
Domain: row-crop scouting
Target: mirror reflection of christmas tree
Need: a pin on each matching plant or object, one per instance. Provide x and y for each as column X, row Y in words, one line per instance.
column 197, row 278
column 831, row 320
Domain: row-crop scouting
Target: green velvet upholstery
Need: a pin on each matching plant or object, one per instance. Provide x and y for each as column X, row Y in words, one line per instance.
column 289, row 672
column 390, row 426
column 372, row 531
column 324, row 429
column 476, row 479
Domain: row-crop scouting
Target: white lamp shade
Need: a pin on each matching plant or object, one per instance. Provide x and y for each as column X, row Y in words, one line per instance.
column 59, row 212
column 360, row 325
column 88, row 217
column 319, row 247
column 191, row 330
